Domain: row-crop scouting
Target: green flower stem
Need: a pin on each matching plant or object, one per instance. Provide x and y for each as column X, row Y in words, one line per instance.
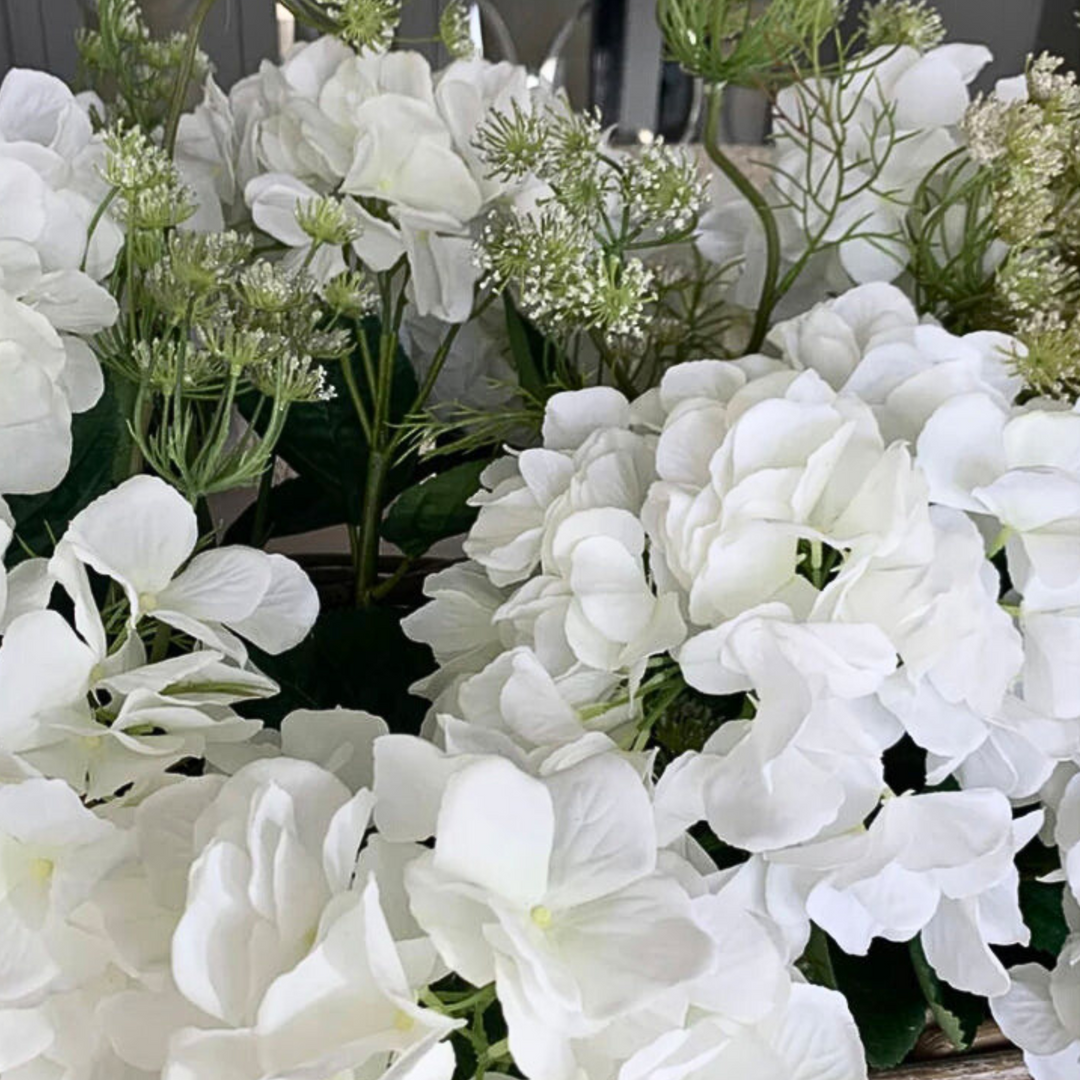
column 496, row 1053
column 137, row 429
column 438, row 361
column 433, row 372
column 370, row 522
column 450, row 1005
column 655, row 713
column 380, row 460
column 260, row 528
column 384, row 440
column 385, row 588
column 749, row 191
column 95, row 221
column 354, row 391
column 160, row 647
column 183, row 76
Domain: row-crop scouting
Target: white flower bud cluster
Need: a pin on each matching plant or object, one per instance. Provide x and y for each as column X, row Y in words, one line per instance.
column 665, row 188
column 148, row 183
column 367, row 24
column 326, row 221
column 455, row 31
column 902, row 22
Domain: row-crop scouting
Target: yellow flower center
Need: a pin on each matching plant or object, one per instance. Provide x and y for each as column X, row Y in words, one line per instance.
column 148, row 602
column 403, row 1021
column 42, row 869
column 541, row 916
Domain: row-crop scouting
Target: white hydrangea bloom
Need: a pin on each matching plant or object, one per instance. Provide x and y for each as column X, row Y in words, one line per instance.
column 810, row 761
column 48, row 377
column 1021, row 469
column 810, row 1037
column 157, row 714
column 747, row 471
column 870, row 342
column 54, row 853
column 270, row 857
column 51, row 186
column 550, row 888
column 850, row 156
column 377, row 127
column 940, row 865
column 1039, row 1014
column 143, row 532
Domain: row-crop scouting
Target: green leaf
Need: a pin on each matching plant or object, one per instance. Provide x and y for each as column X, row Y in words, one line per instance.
column 97, row 437
column 816, row 962
column 885, row 999
column 357, row 659
column 957, row 1013
column 1044, row 916
column 434, row 509
column 527, row 350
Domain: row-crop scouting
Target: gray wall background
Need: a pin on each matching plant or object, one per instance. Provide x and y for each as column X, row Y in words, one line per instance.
column 239, row 33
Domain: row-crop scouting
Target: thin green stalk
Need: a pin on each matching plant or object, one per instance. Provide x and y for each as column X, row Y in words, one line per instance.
column 160, row 647
column 759, row 204
column 656, row 713
column 262, row 506
column 309, row 258
column 129, row 273
column 355, row 396
column 385, row 588
column 370, row 522
column 494, row 1054
column 426, row 387
column 380, row 460
column 95, row 221
column 183, row 76
column 140, row 423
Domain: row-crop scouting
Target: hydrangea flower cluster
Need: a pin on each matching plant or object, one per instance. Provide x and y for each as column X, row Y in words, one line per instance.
column 753, row 666
column 777, row 569
column 51, row 263
column 391, row 142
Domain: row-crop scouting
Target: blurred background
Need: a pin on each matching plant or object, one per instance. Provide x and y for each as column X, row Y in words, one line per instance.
column 590, row 47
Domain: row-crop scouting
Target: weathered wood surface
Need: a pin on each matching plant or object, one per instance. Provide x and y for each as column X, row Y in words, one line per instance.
column 991, row 1057
column 999, row 1065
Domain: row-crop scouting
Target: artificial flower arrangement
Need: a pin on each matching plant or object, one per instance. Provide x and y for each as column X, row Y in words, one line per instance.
column 754, row 725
